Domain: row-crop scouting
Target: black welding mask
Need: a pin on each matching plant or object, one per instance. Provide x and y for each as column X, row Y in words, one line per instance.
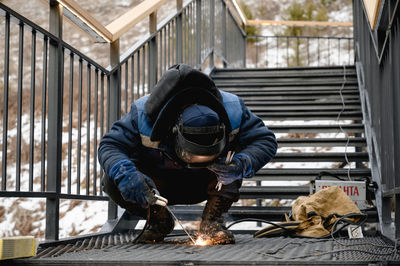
column 199, row 135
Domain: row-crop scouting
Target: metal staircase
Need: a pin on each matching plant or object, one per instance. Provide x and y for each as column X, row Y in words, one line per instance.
column 310, row 98
column 325, row 118
column 278, row 96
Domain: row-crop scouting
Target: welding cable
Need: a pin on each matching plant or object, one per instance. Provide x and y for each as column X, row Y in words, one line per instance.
column 258, row 220
column 340, row 126
column 335, row 229
column 341, row 219
column 360, row 223
column 145, row 227
column 344, row 219
column 245, row 220
column 322, row 173
column 341, row 250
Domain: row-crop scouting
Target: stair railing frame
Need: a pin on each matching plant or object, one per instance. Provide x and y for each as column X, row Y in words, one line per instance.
column 278, row 43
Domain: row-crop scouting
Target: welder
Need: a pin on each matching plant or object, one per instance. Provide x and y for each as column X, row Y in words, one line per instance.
column 177, row 140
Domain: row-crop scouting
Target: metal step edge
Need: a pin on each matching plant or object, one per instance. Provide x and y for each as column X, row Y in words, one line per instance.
column 308, row 115
column 305, row 98
column 273, row 192
column 298, row 93
column 354, row 128
column 326, row 90
column 326, row 101
column 249, row 84
column 320, row 157
column 269, row 213
column 323, row 142
column 284, row 79
column 308, row 174
column 309, row 107
column 273, row 74
column 297, row 68
column 309, row 118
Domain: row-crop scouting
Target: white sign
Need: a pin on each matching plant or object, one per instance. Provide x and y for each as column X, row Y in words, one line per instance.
column 356, row 190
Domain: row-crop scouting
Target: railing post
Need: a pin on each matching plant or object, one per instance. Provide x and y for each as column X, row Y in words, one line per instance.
column 212, row 39
column 114, row 105
column 55, row 96
column 198, row 33
column 224, row 11
column 244, row 50
column 179, row 45
column 153, row 57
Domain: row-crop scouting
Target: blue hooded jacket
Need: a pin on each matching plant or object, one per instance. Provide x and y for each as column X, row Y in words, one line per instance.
column 129, row 138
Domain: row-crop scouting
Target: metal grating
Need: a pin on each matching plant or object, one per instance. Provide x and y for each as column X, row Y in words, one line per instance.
column 117, row 249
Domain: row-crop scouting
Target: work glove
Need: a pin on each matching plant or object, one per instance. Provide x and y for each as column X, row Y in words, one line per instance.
column 227, row 172
column 133, row 185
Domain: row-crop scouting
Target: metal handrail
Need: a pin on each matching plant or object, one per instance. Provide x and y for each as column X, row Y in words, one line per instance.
column 293, row 51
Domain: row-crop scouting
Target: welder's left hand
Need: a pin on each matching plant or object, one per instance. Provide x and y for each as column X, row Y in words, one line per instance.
column 239, row 167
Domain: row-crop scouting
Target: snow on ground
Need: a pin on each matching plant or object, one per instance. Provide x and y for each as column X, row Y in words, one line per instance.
column 76, row 217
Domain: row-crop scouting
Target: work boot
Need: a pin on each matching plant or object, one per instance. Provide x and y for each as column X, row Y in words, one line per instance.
column 212, row 223
column 161, row 224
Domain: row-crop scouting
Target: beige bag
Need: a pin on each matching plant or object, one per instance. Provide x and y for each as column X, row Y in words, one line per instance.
column 314, row 215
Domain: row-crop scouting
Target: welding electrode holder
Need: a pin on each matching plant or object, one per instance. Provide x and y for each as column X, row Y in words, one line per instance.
column 161, row 201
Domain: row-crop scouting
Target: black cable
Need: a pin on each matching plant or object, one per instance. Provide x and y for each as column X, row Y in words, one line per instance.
column 322, row 173
column 341, row 250
column 262, row 221
column 145, row 227
column 340, row 126
column 255, row 220
column 349, row 222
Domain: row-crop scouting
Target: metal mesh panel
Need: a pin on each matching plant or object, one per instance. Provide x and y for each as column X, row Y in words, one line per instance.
column 235, row 43
column 247, row 250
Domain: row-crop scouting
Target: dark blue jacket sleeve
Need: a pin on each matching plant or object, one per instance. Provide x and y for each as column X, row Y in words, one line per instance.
column 256, row 140
column 120, row 142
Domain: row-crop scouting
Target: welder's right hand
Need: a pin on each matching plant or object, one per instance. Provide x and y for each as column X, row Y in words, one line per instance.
column 133, row 184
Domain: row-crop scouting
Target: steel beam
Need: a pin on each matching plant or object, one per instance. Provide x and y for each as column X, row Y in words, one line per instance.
column 114, row 104
column 178, row 30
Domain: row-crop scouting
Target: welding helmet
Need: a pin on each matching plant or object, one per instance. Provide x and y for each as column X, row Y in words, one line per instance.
column 179, row 92
column 199, row 136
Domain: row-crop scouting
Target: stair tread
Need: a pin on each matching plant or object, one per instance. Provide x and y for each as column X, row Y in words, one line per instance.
column 239, row 212
column 326, row 142
column 315, row 126
column 280, row 74
column 302, row 102
column 304, row 107
column 292, row 91
column 248, row 83
column 320, row 156
column 313, row 172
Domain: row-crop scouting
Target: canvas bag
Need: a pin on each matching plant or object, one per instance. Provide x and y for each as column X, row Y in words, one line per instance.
column 314, row 215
